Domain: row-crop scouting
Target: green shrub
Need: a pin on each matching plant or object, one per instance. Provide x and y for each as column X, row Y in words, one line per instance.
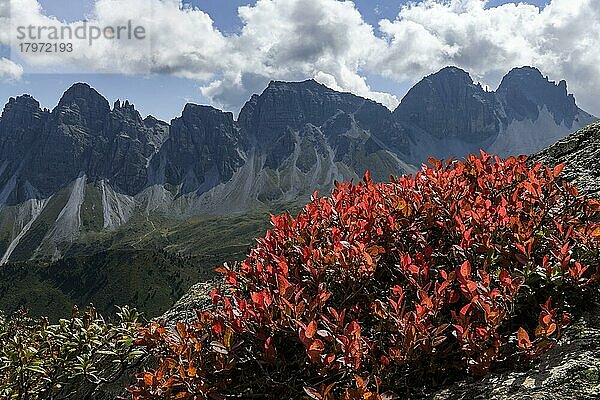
column 77, row 358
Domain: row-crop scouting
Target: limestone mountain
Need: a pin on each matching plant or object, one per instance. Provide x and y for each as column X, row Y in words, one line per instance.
column 447, row 114
column 86, row 167
column 43, row 151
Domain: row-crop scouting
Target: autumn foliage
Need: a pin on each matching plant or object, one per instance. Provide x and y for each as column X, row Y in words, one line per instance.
column 386, row 289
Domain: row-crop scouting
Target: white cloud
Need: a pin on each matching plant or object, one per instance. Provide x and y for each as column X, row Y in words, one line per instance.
column 9, row 71
column 180, row 41
column 281, row 39
column 329, row 40
column 298, row 39
column 562, row 40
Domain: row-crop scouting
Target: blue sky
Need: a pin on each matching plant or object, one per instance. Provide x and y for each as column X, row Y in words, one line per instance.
column 165, row 95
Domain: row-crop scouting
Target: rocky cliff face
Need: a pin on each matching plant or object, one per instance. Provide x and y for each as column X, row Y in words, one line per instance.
column 581, row 154
column 205, row 148
column 524, row 90
column 21, row 127
column 449, row 105
column 44, row 151
column 307, row 130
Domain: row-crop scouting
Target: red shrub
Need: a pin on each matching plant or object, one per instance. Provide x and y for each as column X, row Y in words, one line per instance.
column 426, row 275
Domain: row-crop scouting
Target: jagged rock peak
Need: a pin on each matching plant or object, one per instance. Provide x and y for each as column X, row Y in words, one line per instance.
column 121, row 105
column 451, row 72
column 203, row 110
column 150, row 121
column 24, row 99
column 284, row 105
column 23, row 103
column 526, row 91
column 530, row 79
column 82, row 106
column 79, row 91
column 85, row 97
column 525, row 72
column 463, row 109
column 127, row 109
column 307, row 84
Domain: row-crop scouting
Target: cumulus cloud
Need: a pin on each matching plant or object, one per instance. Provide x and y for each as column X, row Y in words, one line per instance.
column 297, row 39
column 329, row 40
column 281, row 39
column 178, row 40
column 561, row 39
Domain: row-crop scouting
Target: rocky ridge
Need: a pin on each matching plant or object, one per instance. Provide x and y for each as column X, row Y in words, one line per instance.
column 581, row 154
column 87, row 166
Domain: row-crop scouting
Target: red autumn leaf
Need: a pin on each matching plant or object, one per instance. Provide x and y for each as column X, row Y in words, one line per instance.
column 465, row 270
column 311, row 329
column 523, row 339
column 558, row 170
column 316, row 346
column 148, row 379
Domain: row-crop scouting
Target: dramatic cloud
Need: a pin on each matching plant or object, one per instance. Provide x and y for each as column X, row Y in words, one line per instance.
column 329, row 40
column 562, row 40
column 299, row 39
column 281, row 39
column 179, row 41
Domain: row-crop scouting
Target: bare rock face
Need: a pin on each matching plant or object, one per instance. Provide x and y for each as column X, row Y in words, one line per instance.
column 21, row 128
column 204, row 149
column 196, row 299
column 304, row 124
column 523, row 90
column 581, row 154
column 292, row 105
column 43, row 152
column 449, row 104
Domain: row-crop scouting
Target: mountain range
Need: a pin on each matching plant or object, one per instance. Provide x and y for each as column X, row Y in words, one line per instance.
column 88, row 177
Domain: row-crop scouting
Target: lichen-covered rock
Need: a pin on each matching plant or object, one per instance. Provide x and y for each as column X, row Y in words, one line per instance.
column 569, row 371
column 196, row 299
column 581, row 154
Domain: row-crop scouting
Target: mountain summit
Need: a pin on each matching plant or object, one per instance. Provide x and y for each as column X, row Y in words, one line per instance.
column 448, row 114
column 525, row 92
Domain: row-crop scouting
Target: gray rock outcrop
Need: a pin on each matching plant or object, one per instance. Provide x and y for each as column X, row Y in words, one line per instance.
column 581, row 154
column 447, row 114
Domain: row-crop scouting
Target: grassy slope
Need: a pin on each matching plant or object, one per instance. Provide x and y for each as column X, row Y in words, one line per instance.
column 149, row 263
